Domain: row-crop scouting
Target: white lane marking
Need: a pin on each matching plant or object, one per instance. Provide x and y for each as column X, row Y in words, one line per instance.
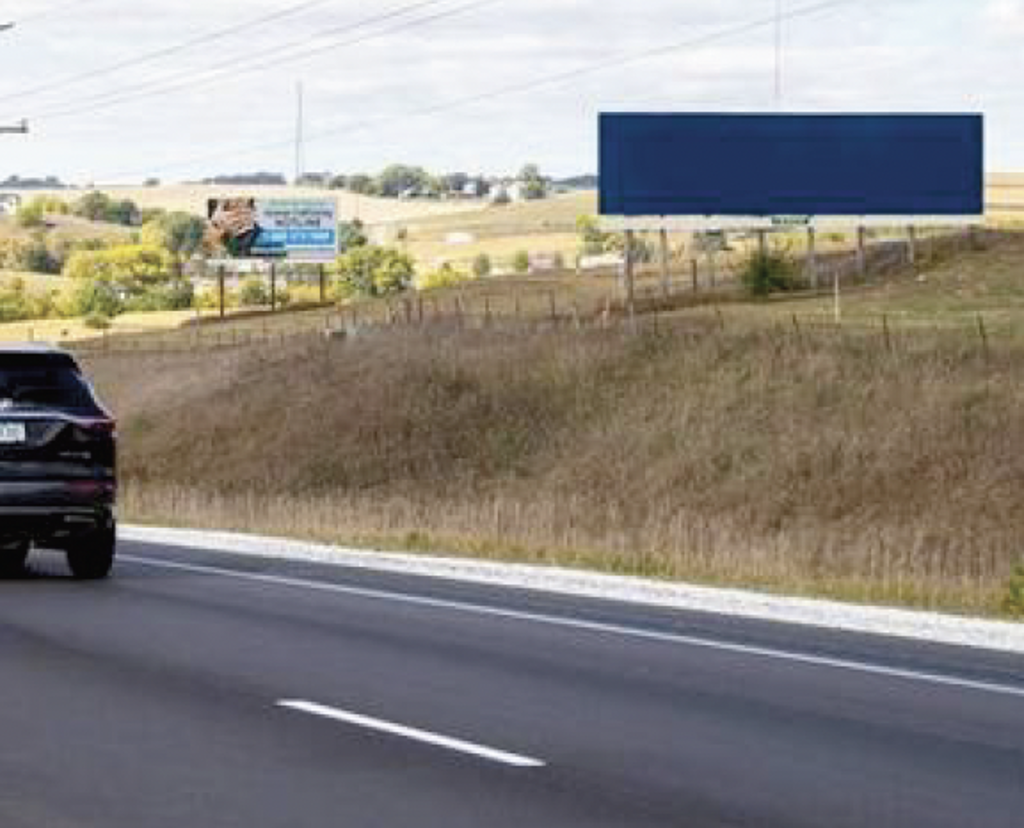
column 415, row 734
column 596, row 627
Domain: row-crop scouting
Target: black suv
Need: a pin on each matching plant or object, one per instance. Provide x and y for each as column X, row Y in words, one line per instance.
column 57, row 463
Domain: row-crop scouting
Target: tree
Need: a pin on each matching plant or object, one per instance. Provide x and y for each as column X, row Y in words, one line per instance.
column 593, row 240
column 482, row 266
column 132, row 269
column 97, row 206
column 362, row 184
column 181, row 234
column 351, row 234
column 535, row 185
column 453, row 182
column 521, row 262
column 89, row 297
column 369, row 270
column 398, row 178
column 31, row 215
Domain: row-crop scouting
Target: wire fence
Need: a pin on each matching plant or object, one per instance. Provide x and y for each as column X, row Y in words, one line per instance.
column 591, row 301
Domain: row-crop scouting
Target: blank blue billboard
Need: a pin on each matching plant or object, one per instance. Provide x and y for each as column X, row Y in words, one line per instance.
column 791, row 165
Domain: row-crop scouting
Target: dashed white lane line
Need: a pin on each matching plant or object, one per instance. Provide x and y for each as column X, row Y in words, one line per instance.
column 501, row 757
column 863, row 667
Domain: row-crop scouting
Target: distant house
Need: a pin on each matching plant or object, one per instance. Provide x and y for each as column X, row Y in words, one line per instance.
column 9, row 204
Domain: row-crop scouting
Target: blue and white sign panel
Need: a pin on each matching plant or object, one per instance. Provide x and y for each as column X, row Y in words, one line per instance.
column 294, row 230
column 297, row 230
column 758, row 171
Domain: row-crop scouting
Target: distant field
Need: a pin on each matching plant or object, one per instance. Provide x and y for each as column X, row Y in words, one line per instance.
column 545, row 227
column 193, row 198
column 1005, row 197
column 69, row 227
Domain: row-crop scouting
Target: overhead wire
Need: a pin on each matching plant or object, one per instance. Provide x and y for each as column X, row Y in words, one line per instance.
column 163, row 52
column 233, row 69
column 524, row 86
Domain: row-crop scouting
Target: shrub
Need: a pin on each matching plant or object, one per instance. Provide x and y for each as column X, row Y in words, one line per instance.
column 369, row 270
column 91, row 296
column 444, row 276
column 1013, row 603
column 766, row 273
column 482, row 266
column 97, row 322
column 254, row 293
column 521, row 262
column 31, row 215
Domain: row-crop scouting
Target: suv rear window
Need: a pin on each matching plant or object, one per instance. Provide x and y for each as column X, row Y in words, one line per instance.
column 44, row 381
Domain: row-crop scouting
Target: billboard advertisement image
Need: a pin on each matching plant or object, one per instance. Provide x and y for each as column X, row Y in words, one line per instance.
column 294, row 230
column 751, row 168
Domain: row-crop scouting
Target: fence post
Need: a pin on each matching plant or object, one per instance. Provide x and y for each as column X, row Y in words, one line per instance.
column 666, row 287
column 552, row 305
column 695, row 275
column 911, row 245
column 812, row 257
column 630, row 274
column 983, row 333
column 862, row 259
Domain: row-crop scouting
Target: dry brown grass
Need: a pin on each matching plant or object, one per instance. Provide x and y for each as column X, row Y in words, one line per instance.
column 822, row 463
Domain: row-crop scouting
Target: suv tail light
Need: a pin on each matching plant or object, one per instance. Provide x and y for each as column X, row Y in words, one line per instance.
column 101, row 427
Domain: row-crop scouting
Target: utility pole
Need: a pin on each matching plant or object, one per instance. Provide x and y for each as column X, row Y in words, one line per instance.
column 22, row 127
column 778, row 54
column 300, row 137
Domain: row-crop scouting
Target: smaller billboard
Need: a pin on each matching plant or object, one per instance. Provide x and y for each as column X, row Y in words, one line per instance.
column 293, row 230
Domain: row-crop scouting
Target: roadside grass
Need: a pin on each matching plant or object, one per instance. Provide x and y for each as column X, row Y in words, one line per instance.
column 820, row 464
column 953, row 291
column 72, row 330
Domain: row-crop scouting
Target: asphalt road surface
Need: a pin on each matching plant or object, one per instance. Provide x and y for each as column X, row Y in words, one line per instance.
column 203, row 690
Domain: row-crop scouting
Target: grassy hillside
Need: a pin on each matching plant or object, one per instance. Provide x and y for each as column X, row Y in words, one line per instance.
column 192, row 198
column 816, row 462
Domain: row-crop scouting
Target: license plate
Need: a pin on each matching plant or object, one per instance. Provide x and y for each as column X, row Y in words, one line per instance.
column 12, row 434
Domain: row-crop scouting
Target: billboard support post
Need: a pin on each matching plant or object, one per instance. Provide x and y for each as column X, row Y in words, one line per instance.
column 666, row 287
column 862, row 261
column 273, row 287
column 838, row 299
column 812, row 258
column 221, row 278
column 912, row 244
column 630, row 287
column 322, row 273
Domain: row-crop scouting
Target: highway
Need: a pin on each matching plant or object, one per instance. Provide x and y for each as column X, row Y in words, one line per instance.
column 202, row 689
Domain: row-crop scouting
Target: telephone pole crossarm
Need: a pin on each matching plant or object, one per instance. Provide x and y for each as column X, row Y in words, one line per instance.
column 17, row 129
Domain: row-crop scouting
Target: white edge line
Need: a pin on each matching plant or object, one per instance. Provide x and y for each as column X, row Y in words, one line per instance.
column 502, row 757
column 929, row 627
column 596, row 627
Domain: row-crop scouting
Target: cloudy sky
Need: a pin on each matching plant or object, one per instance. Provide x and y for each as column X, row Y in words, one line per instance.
column 118, row 90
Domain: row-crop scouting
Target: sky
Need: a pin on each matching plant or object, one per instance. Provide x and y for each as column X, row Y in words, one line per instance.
column 122, row 90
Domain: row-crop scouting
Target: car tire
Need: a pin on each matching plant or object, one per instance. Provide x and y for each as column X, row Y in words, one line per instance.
column 92, row 558
column 12, row 559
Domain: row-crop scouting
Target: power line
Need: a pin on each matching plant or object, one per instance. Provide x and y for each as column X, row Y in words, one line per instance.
column 525, row 86
column 42, row 14
column 158, row 54
column 233, row 69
